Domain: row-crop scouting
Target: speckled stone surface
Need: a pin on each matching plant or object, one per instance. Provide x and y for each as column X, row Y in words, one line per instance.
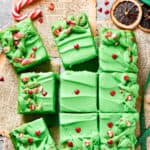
column 5, row 13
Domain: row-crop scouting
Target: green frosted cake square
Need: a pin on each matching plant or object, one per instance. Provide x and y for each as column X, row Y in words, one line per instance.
column 118, row 51
column 78, row 91
column 79, row 131
column 117, row 131
column 74, row 40
column 118, row 92
column 32, row 136
column 37, row 93
column 23, row 46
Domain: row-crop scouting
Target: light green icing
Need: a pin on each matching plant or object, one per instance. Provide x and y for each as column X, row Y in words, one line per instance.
column 89, row 131
column 40, row 142
column 86, row 83
column 115, row 82
column 40, row 82
column 122, row 43
column 80, row 34
column 123, row 129
column 29, row 39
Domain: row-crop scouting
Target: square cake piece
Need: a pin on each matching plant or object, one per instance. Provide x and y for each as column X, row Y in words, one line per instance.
column 118, row 92
column 32, row 136
column 23, row 46
column 118, row 51
column 79, row 131
column 37, row 93
column 117, row 131
column 78, row 91
column 74, row 40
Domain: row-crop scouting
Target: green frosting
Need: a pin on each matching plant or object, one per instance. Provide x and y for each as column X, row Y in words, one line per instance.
column 117, row 131
column 74, row 31
column 23, row 46
column 119, row 89
column 37, row 93
column 32, row 136
column 76, row 90
column 78, row 131
column 118, row 51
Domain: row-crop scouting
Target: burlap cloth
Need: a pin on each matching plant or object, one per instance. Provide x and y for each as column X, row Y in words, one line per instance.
column 8, row 89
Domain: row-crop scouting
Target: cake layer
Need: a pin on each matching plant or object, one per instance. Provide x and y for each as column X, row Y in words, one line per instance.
column 118, row 51
column 23, row 46
column 117, row 131
column 118, row 92
column 32, row 136
column 74, row 40
column 78, row 91
column 37, row 93
column 78, row 131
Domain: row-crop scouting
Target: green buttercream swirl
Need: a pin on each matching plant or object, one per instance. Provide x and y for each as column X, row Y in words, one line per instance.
column 22, row 134
column 124, row 134
column 79, row 25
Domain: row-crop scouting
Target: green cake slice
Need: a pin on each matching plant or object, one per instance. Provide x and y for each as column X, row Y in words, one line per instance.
column 118, row 51
column 79, row 131
column 37, row 93
column 118, row 92
column 23, row 46
column 117, row 131
column 78, row 91
column 74, row 40
column 32, row 136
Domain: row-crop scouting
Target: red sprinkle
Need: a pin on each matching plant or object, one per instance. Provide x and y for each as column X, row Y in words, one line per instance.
column 32, row 55
column 44, row 93
column 32, row 107
column 100, row 9
column 77, row 91
column 56, row 32
column 70, row 144
column 106, row 2
column 110, row 124
column 108, row 34
column 114, row 56
column 110, row 142
column 30, row 92
column 16, row 36
column 131, row 58
column 60, row 29
column 51, row 6
column 1, row 78
column 38, row 132
column 25, row 79
column 16, row 42
column 112, row 93
column 30, row 140
column 40, row 20
column 106, row 12
column 34, row 48
column 76, row 46
column 25, row 62
column 126, row 78
column 78, row 130
column 70, row 22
